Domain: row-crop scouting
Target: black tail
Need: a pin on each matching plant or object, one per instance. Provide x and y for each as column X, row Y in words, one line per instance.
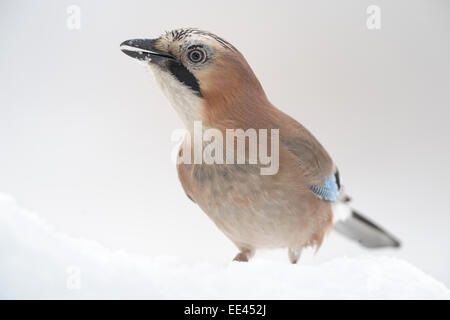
column 364, row 231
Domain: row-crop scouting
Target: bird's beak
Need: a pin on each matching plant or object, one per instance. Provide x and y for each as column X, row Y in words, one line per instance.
column 142, row 49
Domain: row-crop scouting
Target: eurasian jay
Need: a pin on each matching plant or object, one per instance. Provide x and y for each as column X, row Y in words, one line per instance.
column 207, row 80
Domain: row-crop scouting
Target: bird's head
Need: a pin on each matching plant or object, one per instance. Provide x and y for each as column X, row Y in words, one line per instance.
column 203, row 76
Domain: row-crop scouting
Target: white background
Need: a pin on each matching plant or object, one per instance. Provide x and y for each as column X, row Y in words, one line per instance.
column 85, row 133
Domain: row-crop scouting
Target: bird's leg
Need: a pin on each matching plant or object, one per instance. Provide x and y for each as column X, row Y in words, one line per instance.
column 244, row 255
column 294, row 254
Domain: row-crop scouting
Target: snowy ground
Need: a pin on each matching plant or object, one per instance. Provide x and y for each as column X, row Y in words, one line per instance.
column 37, row 261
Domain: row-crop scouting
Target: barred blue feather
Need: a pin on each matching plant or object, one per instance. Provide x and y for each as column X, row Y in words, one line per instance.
column 329, row 191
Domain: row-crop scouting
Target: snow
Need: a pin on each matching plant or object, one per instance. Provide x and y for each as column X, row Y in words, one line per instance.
column 37, row 261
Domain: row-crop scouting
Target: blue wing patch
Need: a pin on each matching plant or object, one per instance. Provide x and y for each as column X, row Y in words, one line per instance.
column 329, row 191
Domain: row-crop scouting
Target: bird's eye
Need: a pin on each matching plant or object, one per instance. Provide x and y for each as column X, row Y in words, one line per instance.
column 196, row 56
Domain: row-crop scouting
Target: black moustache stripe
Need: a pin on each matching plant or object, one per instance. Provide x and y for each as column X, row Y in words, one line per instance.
column 185, row 76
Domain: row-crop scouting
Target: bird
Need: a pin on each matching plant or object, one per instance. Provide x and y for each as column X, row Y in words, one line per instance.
column 207, row 80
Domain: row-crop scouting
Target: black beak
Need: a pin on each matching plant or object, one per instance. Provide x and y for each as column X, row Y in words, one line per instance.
column 142, row 49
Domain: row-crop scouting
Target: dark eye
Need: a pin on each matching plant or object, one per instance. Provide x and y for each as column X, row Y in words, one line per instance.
column 196, row 55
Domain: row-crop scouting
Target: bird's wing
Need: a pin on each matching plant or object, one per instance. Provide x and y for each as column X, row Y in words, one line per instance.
column 317, row 166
